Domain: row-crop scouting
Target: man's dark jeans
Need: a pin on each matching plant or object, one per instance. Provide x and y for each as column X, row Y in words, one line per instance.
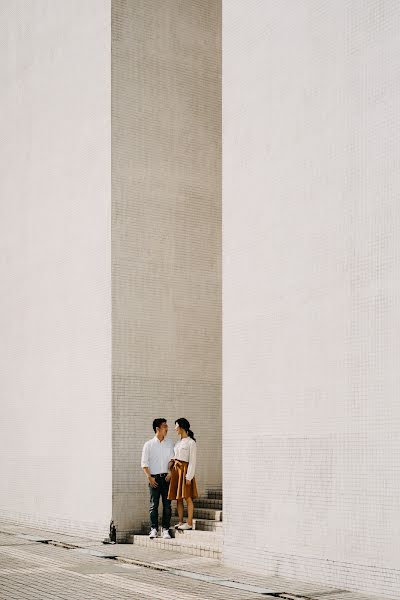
column 155, row 493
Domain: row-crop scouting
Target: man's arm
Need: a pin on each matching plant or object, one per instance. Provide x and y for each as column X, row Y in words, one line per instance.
column 145, row 466
column 151, row 479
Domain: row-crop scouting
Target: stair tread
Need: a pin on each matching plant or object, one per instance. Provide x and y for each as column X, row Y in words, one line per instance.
column 192, row 533
column 208, row 526
column 208, row 503
column 198, row 534
column 182, row 543
column 204, row 513
column 217, row 493
column 205, row 539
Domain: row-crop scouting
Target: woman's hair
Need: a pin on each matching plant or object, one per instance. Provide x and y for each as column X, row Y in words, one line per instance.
column 184, row 424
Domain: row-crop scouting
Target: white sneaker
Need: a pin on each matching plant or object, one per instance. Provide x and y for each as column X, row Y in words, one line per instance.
column 153, row 534
column 165, row 534
column 177, row 525
column 184, row 527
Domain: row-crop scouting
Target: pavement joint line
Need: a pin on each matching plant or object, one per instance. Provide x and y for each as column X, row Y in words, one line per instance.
column 140, row 563
column 206, row 578
column 230, row 583
column 33, row 538
column 287, row 596
column 64, row 545
column 177, row 572
column 18, row 545
column 212, row 579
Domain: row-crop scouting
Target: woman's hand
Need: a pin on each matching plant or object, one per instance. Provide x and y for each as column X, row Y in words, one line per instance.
column 168, row 477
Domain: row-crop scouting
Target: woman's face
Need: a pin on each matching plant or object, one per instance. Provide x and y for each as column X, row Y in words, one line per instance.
column 177, row 429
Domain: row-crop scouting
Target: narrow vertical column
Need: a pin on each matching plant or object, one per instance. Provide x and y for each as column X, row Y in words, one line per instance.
column 166, row 235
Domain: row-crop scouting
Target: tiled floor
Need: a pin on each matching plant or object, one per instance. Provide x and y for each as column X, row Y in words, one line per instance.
column 39, row 571
column 31, row 570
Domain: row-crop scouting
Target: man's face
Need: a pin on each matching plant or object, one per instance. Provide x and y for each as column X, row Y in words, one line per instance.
column 163, row 429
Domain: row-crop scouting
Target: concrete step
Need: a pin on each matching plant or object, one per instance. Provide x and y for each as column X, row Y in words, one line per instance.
column 190, row 542
column 216, row 493
column 204, row 502
column 207, row 513
column 204, row 513
column 208, row 525
column 198, row 525
column 209, row 537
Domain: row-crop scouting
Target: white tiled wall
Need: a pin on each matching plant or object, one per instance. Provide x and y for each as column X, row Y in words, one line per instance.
column 55, row 275
column 312, row 290
column 166, row 236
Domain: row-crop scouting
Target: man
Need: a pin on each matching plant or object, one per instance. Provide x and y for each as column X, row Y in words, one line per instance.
column 156, row 455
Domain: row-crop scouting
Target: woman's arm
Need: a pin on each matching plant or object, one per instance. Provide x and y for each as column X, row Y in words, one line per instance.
column 192, row 462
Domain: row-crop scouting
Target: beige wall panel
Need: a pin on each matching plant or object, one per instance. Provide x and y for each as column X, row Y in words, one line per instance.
column 312, row 290
column 55, row 301
column 166, row 235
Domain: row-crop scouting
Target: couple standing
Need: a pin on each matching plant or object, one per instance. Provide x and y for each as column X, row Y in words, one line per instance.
column 170, row 472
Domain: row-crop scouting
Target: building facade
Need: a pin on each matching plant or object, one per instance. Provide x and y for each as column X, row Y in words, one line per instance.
column 55, row 271
column 111, row 240
column 118, row 238
column 311, row 290
column 166, row 236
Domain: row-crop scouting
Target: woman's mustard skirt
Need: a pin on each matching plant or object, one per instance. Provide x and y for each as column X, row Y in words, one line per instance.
column 178, row 486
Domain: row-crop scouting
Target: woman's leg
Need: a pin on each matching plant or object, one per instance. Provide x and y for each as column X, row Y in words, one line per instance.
column 190, row 508
column 179, row 506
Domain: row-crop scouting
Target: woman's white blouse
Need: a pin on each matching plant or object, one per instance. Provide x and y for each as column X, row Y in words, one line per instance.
column 186, row 450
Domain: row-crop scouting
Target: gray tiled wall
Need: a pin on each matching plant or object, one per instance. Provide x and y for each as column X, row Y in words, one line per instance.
column 166, row 236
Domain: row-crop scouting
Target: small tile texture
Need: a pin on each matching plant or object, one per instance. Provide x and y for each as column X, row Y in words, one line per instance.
column 55, row 266
column 37, row 571
column 166, row 236
column 311, row 284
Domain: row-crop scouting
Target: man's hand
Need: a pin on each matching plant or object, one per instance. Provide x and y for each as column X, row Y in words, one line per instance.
column 168, row 477
column 152, row 481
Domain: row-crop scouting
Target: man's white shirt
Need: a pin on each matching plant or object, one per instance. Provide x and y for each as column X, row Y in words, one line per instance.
column 156, row 455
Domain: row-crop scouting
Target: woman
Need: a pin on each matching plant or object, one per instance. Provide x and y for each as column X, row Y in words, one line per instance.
column 183, row 465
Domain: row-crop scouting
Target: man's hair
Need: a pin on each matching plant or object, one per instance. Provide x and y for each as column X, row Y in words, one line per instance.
column 158, row 423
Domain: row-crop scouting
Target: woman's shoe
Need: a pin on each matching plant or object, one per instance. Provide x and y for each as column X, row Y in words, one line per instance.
column 177, row 525
column 184, row 527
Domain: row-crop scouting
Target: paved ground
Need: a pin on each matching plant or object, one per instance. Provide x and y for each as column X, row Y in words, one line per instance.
column 72, row 568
